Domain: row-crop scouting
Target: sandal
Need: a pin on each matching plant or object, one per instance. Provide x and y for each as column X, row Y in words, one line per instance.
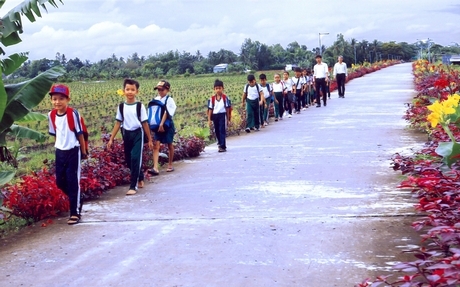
column 74, row 219
column 153, row 172
column 170, row 169
column 140, row 184
column 131, row 192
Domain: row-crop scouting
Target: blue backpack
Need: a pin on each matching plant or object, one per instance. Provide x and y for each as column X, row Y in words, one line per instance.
column 155, row 111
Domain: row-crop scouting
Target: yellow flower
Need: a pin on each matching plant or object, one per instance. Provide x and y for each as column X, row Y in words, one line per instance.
column 120, row 92
column 439, row 110
column 434, row 119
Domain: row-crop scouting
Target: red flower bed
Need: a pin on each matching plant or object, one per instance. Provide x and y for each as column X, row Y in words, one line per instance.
column 437, row 260
column 36, row 196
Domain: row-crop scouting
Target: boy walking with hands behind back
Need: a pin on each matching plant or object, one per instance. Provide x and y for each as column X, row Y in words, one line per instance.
column 133, row 137
column 70, row 148
column 219, row 112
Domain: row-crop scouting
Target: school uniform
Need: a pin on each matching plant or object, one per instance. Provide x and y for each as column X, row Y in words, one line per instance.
column 252, row 106
column 68, row 158
column 290, row 97
column 133, row 140
column 278, row 89
column 218, row 109
column 264, row 110
column 298, row 84
column 167, row 137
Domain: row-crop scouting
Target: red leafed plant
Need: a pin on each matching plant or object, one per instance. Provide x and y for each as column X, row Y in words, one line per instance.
column 437, row 260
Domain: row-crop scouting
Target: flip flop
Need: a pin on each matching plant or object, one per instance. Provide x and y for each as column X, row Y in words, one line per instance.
column 153, row 172
column 170, row 169
column 131, row 192
column 74, row 219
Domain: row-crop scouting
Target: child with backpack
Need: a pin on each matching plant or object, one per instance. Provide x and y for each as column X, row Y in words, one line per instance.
column 67, row 126
column 160, row 114
column 132, row 118
column 279, row 90
column 298, row 89
column 264, row 109
column 253, row 98
column 219, row 112
column 289, row 100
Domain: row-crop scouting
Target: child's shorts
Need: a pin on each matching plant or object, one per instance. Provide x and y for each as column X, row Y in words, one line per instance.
column 166, row 137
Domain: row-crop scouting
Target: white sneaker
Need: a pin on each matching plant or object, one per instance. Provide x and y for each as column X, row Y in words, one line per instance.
column 289, row 116
column 304, row 109
column 265, row 124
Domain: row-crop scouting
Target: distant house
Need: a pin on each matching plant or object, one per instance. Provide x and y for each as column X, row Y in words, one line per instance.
column 290, row 67
column 454, row 60
column 221, row 68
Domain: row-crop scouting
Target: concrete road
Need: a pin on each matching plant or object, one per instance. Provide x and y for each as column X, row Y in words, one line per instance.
column 307, row 201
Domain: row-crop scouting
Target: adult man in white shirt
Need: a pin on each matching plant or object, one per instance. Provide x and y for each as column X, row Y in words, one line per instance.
column 340, row 75
column 321, row 77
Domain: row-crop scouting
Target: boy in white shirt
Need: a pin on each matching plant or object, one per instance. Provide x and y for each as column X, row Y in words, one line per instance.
column 219, row 113
column 264, row 109
column 133, row 141
column 298, row 89
column 279, row 90
column 253, row 98
column 289, row 100
column 70, row 148
column 321, row 78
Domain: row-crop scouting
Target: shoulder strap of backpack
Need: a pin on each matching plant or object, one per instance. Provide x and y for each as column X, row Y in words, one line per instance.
column 70, row 119
column 213, row 101
column 246, row 88
column 138, row 110
column 53, row 118
column 120, row 106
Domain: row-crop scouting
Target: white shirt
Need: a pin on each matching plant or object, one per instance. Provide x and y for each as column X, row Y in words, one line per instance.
column 301, row 81
column 219, row 106
column 170, row 104
column 129, row 120
column 252, row 92
column 65, row 138
column 320, row 71
column 266, row 92
column 289, row 84
column 278, row 87
column 340, row 69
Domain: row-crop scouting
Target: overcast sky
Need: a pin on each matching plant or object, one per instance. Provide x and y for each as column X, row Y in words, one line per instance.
column 96, row 29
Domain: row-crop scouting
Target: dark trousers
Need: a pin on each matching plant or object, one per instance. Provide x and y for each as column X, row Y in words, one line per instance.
column 300, row 100
column 219, row 121
column 252, row 114
column 68, row 177
column 133, row 143
column 320, row 85
column 279, row 107
column 341, row 84
column 289, row 100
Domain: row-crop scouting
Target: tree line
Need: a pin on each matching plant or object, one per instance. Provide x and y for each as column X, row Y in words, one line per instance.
column 253, row 55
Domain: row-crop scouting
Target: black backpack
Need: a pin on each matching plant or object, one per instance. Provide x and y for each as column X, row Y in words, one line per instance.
column 138, row 112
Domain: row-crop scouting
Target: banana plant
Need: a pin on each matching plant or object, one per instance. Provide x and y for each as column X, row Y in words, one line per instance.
column 18, row 100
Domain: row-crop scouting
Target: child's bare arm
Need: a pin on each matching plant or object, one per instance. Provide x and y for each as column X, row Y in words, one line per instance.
column 146, row 128
column 115, row 130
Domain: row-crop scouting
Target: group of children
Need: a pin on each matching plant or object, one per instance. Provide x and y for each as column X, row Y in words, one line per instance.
column 135, row 123
column 289, row 95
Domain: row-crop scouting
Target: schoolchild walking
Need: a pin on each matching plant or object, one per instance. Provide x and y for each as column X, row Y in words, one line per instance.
column 219, row 113
column 131, row 117
column 253, row 98
column 268, row 93
column 321, row 78
column 279, row 91
column 306, row 91
column 70, row 147
column 165, row 131
column 298, row 89
column 289, row 97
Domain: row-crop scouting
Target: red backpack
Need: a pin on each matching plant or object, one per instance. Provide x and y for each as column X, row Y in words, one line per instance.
column 227, row 103
column 71, row 122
